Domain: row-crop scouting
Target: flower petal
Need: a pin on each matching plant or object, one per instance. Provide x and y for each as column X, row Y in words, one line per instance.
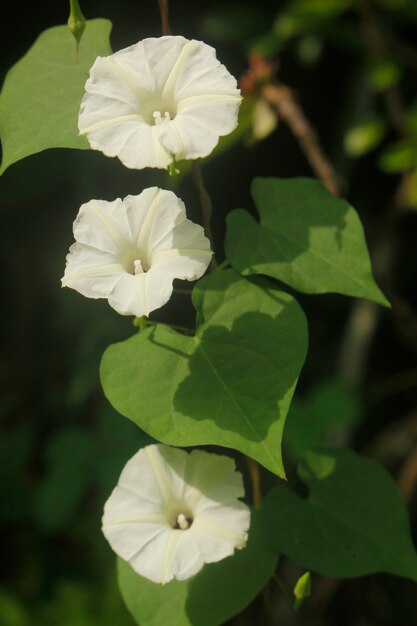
column 169, row 77
column 92, row 272
column 139, row 295
column 150, row 232
column 158, row 484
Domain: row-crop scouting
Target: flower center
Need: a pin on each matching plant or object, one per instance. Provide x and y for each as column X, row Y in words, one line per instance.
column 158, row 118
column 183, row 521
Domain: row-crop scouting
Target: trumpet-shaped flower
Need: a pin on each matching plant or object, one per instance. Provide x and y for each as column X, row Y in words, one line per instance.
column 129, row 251
column 159, row 101
column 173, row 511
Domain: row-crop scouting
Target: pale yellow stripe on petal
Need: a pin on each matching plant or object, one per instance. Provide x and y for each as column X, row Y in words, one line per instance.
column 173, row 542
column 113, row 121
column 220, row 531
column 166, row 255
column 127, row 79
column 91, row 272
column 118, row 239
column 139, row 519
column 160, row 475
column 193, row 100
column 173, row 75
column 145, row 230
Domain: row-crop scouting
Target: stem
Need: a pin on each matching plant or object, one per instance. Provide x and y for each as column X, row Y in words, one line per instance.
column 283, row 587
column 183, row 292
column 185, row 329
column 206, row 205
column 163, row 9
column 223, row 265
column 255, row 477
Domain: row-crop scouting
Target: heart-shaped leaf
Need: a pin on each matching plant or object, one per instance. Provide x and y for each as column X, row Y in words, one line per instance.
column 210, row 598
column 230, row 385
column 352, row 523
column 307, row 238
column 42, row 93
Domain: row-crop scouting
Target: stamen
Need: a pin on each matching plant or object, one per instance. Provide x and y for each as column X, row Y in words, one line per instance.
column 183, row 522
column 138, row 266
column 161, row 119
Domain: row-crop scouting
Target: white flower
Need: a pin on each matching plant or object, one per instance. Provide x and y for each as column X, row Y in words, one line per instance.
column 158, row 101
column 129, row 251
column 173, row 511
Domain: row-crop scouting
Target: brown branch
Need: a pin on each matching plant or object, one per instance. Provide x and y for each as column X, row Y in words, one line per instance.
column 255, row 477
column 163, row 9
column 407, row 479
column 283, row 100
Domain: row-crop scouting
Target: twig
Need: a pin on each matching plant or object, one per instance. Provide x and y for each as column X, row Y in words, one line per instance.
column 356, row 342
column 407, row 479
column 255, row 477
column 283, row 100
column 163, row 9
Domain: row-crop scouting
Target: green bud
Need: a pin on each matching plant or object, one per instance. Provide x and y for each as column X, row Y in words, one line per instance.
column 173, row 169
column 76, row 21
column 302, row 590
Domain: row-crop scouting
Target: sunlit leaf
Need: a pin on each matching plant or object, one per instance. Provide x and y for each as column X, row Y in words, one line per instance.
column 230, row 385
column 307, row 238
column 42, row 93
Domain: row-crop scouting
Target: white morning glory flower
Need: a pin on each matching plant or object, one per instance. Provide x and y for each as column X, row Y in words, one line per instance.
column 172, row 511
column 157, row 101
column 129, row 251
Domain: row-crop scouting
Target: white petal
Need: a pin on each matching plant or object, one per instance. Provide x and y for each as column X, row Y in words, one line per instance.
column 185, row 253
column 157, row 485
column 169, row 75
column 151, row 61
column 218, row 114
column 212, row 477
column 92, row 272
column 149, row 231
column 198, row 138
column 183, row 557
column 141, row 294
column 203, row 74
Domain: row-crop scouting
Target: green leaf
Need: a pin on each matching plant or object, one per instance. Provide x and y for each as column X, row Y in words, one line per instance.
column 230, row 385
column 328, row 409
column 42, row 93
column 217, row 593
column 353, row 522
column 307, row 238
column 364, row 137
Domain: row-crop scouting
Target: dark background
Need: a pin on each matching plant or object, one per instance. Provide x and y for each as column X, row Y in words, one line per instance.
column 62, row 446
